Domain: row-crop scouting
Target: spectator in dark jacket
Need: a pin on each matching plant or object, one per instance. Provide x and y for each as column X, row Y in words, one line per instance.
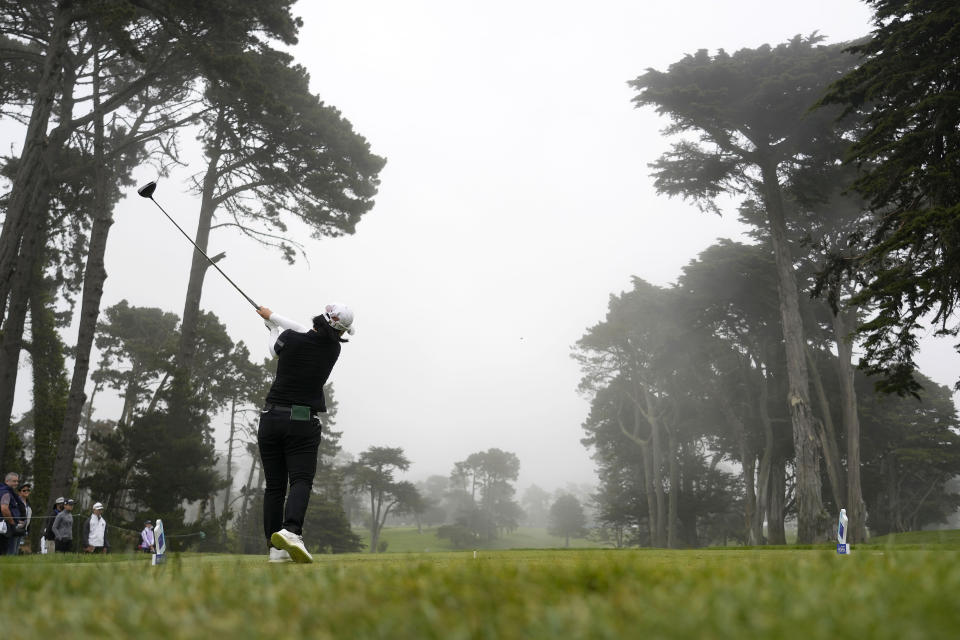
column 48, row 539
column 63, row 528
column 93, row 537
column 25, row 490
column 12, row 515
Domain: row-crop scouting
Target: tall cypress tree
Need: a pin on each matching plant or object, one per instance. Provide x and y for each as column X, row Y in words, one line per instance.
column 907, row 89
column 749, row 111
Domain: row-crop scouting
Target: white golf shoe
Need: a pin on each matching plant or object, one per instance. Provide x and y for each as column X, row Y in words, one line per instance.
column 280, row 555
column 292, row 544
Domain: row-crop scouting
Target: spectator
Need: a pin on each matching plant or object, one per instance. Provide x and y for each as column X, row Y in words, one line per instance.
column 25, row 490
column 63, row 528
column 12, row 512
column 93, row 537
column 47, row 541
column 147, row 542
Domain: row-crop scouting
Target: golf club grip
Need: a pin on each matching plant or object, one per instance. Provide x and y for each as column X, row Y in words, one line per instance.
column 212, row 263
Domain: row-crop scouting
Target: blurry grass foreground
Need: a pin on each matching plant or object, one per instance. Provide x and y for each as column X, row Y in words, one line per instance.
column 500, row 594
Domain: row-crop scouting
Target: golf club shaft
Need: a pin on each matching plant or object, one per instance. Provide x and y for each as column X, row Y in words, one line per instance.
column 212, row 263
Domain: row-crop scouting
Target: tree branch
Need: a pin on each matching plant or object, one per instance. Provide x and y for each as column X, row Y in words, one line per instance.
column 229, row 193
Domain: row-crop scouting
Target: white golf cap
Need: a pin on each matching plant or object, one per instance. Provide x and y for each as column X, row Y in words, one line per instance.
column 97, row 505
column 340, row 317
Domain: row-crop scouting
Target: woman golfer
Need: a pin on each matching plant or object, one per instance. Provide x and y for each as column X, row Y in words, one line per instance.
column 289, row 433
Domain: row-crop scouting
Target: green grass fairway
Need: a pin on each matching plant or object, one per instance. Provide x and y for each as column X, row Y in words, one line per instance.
column 920, row 539
column 784, row 593
column 406, row 539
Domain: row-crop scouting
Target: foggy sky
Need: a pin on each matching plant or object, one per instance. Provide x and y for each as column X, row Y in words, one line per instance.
column 515, row 201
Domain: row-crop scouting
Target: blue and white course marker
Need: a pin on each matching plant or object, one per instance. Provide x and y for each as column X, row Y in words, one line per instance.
column 160, row 544
column 842, row 547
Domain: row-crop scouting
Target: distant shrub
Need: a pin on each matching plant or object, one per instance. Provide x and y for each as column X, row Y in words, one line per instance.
column 459, row 535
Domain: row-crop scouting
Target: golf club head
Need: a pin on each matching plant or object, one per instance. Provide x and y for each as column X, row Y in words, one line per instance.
column 146, row 191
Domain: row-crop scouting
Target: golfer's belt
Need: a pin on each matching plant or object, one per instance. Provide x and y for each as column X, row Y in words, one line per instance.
column 296, row 411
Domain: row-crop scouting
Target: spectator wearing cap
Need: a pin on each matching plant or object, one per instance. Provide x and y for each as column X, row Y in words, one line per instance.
column 48, row 539
column 93, row 535
column 289, row 431
column 25, row 490
column 147, row 541
column 12, row 514
column 63, row 528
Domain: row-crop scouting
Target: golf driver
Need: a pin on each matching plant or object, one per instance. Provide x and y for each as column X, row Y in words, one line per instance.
column 146, row 191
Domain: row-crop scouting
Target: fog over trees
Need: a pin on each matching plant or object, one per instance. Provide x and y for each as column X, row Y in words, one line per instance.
column 848, row 213
column 772, row 383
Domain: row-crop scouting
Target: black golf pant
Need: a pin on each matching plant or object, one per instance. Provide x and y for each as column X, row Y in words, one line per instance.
column 288, row 452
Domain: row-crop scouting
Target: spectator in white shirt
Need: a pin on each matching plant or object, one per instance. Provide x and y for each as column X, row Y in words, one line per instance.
column 94, row 535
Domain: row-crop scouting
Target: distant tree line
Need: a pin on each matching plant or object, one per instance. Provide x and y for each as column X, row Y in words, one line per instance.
column 156, row 460
column 690, row 433
column 842, row 160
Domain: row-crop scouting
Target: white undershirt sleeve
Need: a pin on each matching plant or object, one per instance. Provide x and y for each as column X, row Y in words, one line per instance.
column 286, row 323
column 277, row 324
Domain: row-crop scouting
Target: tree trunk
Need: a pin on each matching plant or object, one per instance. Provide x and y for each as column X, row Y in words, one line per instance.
column 748, row 466
column 226, row 496
column 374, row 520
column 117, row 498
column 651, row 494
column 383, row 521
column 212, row 503
column 674, row 489
column 33, row 171
column 94, row 276
column 856, row 508
column 776, row 533
column 811, row 517
column 766, row 457
column 687, row 515
column 49, row 380
column 247, row 492
column 25, row 225
column 893, row 494
column 130, row 394
column 157, row 393
column 11, row 340
column 88, row 423
column 646, row 452
column 752, row 521
column 199, row 264
column 827, row 434
column 261, row 479
column 656, row 448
